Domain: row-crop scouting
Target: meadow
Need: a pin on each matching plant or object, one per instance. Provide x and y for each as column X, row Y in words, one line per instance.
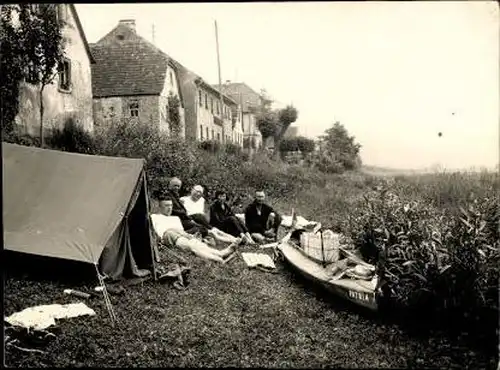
column 433, row 237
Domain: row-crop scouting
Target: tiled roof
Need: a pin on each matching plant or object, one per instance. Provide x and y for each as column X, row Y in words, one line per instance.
column 127, row 66
column 215, row 90
column 187, row 77
column 243, row 93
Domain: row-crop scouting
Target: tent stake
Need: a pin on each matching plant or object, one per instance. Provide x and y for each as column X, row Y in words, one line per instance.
column 107, row 300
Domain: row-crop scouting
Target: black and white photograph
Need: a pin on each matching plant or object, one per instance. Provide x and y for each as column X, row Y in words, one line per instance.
column 286, row 184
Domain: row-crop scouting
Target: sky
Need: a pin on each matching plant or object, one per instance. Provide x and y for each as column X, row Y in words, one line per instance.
column 395, row 74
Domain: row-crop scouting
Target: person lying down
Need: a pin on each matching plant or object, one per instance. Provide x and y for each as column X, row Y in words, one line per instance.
column 169, row 228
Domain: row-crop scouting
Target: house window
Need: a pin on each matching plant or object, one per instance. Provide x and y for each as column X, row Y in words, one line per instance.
column 201, row 132
column 211, row 104
column 171, row 77
column 65, row 75
column 218, row 136
column 207, row 132
column 134, row 108
column 213, row 134
column 217, row 108
column 200, row 98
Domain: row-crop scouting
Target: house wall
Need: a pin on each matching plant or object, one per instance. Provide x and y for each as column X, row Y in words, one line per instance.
column 60, row 105
column 238, row 131
column 205, row 119
column 115, row 109
column 170, row 87
column 251, row 129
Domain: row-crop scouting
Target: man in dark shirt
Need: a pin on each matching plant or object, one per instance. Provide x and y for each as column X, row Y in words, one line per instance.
column 261, row 219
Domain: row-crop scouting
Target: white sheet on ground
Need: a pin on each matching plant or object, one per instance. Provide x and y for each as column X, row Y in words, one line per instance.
column 301, row 222
column 286, row 221
column 41, row 317
column 258, row 259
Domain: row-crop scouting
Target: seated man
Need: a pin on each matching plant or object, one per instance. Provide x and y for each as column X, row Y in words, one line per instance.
column 190, row 225
column 169, row 229
column 223, row 217
column 262, row 220
column 195, row 205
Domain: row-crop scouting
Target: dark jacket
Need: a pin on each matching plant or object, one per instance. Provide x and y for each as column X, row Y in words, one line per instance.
column 254, row 222
column 178, row 208
column 219, row 212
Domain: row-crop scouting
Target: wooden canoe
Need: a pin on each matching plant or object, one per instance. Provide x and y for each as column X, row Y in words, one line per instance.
column 358, row 291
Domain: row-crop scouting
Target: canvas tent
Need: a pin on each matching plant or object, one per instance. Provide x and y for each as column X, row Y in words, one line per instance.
column 76, row 207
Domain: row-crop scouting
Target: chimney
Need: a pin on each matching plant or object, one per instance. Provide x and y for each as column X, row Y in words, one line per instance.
column 130, row 23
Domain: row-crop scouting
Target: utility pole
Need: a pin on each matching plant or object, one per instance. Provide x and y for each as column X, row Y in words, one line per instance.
column 153, row 32
column 220, row 80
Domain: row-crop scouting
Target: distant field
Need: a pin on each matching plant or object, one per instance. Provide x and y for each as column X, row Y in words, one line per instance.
column 385, row 171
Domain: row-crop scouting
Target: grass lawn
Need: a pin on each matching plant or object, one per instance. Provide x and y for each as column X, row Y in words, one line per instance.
column 228, row 316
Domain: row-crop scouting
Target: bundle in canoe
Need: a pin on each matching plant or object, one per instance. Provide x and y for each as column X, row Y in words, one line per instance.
column 344, row 275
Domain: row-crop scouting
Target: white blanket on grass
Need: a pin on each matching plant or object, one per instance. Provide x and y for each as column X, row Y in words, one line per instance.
column 258, row 259
column 41, row 317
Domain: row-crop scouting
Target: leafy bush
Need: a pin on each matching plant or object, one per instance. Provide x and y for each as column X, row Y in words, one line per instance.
column 327, row 164
column 298, row 143
column 212, row 146
column 72, row 138
column 339, row 151
column 232, row 148
column 174, row 117
column 434, row 261
column 15, row 136
column 249, row 143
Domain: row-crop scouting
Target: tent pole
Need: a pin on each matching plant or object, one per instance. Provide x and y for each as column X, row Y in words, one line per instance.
column 107, row 301
column 152, row 244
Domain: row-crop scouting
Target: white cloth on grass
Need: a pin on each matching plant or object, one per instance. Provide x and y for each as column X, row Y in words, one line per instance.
column 41, row 317
column 162, row 223
column 286, row 221
column 258, row 259
column 193, row 207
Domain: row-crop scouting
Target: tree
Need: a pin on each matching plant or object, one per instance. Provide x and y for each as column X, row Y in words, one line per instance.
column 11, row 62
column 32, row 44
column 273, row 123
column 266, row 118
column 267, row 124
column 286, row 117
column 340, row 148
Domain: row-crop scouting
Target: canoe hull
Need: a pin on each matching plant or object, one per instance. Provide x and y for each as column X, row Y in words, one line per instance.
column 355, row 291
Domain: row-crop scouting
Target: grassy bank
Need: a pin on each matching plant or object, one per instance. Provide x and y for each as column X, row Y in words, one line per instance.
column 229, row 316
